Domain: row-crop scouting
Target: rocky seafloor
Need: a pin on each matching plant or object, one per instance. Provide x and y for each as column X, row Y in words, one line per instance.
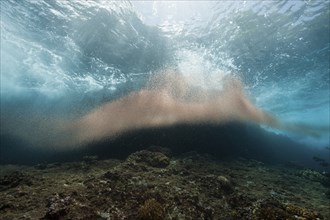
column 152, row 184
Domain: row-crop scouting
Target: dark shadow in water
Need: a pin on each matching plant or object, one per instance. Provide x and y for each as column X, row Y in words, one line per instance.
column 229, row 141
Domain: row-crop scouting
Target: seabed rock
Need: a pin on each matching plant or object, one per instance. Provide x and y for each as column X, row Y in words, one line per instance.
column 272, row 209
column 151, row 210
column 150, row 158
column 58, row 207
column 14, row 179
column 150, row 184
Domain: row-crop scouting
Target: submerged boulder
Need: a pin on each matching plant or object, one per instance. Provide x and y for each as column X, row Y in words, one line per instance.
column 153, row 159
column 151, row 210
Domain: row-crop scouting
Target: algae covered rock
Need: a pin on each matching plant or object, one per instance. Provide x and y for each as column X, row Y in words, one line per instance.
column 302, row 213
column 153, row 159
column 14, row 179
column 315, row 176
column 166, row 151
column 225, row 184
column 217, row 185
column 58, row 207
column 272, row 209
column 69, row 206
column 151, row 210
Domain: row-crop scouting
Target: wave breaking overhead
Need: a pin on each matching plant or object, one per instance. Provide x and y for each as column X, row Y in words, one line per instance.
column 63, row 62
column 168, row 99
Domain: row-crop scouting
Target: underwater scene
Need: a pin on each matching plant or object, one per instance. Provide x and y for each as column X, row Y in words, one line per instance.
column 157, row 110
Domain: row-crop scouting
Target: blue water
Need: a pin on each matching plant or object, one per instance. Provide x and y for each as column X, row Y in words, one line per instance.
column 66, row 57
